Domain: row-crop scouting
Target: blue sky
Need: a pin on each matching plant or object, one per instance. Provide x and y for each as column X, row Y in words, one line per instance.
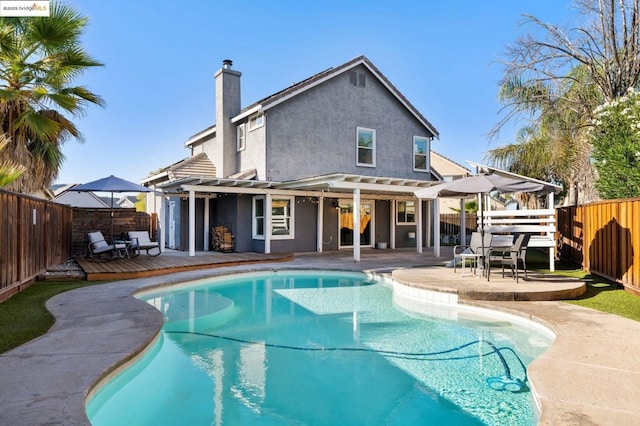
column 160, row 57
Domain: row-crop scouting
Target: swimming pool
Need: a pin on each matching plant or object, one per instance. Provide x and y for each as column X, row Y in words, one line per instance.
column 321, row 348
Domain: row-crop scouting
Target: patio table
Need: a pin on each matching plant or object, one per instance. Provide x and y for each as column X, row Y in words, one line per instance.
column 123, row 248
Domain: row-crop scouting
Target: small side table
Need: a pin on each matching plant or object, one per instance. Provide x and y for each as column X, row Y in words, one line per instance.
column 122, row 248
column 474, row 259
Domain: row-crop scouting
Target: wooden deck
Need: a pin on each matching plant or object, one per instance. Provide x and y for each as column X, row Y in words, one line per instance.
column 167, row 263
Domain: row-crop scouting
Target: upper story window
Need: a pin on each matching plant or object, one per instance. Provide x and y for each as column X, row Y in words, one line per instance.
column 256, row 121
column 241, row 137
column 420, row 154
column 366, row 147
column 406, row 212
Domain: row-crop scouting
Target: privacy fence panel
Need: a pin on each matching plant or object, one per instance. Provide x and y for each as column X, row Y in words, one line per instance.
column 34, row 234
column 113, row 225
column 450, row 224
column 604, row 238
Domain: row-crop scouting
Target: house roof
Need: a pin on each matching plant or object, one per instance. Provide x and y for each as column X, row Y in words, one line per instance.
column 313, row 81
column 66, row 195
column 197, row 165
column 439, row 158
column 321, row 77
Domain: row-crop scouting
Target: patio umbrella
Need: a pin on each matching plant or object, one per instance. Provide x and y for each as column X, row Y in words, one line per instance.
column 111, row 184
column 483, row 184
column 471, row 186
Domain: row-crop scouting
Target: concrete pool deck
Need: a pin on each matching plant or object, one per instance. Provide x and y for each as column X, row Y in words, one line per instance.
column 588, row 376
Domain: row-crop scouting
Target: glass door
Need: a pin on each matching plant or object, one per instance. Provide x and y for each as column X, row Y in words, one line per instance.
column 345, row 224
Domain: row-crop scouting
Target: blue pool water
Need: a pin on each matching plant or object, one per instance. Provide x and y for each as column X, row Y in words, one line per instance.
column 320, row 348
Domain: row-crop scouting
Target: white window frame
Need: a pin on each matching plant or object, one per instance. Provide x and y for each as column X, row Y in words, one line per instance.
column 254, row 218
column 241, row 137
column 256, row 122
column 405, row 222
column 373, row 147
column 276, row 218
column 427, row 160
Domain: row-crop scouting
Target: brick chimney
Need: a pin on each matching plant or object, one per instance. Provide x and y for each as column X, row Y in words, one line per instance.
column 227, row 106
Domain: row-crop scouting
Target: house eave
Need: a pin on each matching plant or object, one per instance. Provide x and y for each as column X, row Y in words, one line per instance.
column 255, row 110
column 199, row 136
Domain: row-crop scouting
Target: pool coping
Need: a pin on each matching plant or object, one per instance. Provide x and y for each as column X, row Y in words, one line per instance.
column 100, row 328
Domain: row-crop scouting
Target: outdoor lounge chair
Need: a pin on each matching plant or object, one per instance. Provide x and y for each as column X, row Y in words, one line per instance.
column 98, row 247
column 512, row 257
column 139, row 240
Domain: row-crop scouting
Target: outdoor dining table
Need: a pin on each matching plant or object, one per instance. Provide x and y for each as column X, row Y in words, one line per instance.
column 480, row 261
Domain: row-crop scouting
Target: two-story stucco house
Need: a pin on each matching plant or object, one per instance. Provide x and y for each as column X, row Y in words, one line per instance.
column 328, row 163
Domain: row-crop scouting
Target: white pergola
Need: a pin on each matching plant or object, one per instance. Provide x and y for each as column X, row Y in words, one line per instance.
column 332, row 186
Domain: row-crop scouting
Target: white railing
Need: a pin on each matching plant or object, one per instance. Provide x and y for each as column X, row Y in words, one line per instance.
column 540, row 223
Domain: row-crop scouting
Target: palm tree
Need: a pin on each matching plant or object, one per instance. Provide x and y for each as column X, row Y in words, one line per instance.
column 9, row 170
column 555, row 146
column 40, row 58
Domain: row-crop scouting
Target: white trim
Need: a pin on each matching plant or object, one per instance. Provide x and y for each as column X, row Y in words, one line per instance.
column 254, row 235
column 290, row 216
column 415, row 210
column 247, row 113
column 195, row 138
column 241, row 137
column 373, row 147
column 192, row 223
column 255, row 118
column 351, row 201
column 427, row 168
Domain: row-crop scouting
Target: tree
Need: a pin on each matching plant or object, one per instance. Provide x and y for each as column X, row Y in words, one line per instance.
column 616, row 147
column 141, row 202
column 470, row 207
column 40, row 58
column 9, row 170
column 558, row 77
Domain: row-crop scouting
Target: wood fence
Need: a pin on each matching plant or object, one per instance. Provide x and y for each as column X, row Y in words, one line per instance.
column 112, row 224
column 34, row 234
column 450, row 225
column 604, row 238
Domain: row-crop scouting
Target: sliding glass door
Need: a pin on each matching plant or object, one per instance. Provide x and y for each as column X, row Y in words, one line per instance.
column 346, row 225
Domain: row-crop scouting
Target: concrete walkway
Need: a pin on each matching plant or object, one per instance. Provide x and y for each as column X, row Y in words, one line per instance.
column 589, row 376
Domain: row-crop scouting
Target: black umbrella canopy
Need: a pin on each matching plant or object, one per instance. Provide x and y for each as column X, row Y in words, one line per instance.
column 111, row 184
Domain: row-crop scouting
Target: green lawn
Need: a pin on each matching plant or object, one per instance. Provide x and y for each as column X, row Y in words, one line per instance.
column 602, row 294
column 24, row 316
